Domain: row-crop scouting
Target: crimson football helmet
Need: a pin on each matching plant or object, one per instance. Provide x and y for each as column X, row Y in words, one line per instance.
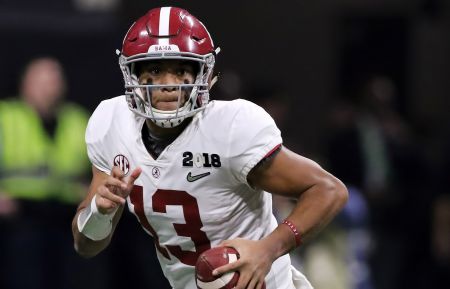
column 167, row 33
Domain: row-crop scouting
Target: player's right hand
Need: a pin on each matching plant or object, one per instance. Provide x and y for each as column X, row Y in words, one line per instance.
column 115, row 189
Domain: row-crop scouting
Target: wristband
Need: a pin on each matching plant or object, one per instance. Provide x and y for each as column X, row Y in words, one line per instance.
column 93, row 224
column 298, row 240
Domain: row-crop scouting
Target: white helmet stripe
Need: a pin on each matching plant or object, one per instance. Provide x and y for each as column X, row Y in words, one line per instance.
column 164, row 19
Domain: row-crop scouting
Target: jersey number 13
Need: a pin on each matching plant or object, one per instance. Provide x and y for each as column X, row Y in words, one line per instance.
column 191, row 228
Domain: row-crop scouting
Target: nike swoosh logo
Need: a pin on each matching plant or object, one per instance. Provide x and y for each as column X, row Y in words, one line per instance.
column 191, row 178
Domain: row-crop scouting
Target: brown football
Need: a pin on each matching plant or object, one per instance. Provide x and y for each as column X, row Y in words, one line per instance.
column 212, row 259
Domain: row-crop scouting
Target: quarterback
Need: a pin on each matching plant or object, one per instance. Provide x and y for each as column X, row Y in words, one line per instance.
column 196, row 173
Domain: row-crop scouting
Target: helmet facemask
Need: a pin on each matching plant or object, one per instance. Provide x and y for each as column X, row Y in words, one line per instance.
column 139, row 96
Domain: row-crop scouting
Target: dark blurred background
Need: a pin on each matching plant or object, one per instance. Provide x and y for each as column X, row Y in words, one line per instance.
column 360, row 86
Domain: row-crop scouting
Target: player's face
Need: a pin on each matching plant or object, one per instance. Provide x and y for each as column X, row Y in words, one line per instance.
column 167, row 72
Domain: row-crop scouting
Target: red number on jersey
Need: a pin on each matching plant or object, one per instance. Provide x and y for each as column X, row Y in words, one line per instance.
column 137, row 199
column 191, row 228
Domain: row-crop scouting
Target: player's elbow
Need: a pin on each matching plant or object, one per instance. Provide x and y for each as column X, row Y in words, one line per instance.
column 337, row 192
column 87, row 248
column 83, row 249
column 83, row 252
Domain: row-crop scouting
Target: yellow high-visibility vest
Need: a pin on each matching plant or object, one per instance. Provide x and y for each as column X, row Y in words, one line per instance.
column 34, row 165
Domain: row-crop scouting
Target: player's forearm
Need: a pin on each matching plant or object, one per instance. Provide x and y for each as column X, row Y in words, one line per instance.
column 88, row 247
column 315, row 208
column 84, row 246
column 318, row 205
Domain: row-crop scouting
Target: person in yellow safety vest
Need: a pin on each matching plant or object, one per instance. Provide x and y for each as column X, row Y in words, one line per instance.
column 43, row 171
column 42, row 153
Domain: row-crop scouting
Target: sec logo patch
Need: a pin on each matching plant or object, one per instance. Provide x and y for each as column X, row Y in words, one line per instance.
column 122, row 162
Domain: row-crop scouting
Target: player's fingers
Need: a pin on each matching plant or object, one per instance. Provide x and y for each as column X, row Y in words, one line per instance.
column 243, row 282
column 252, row 283
column 133, row 176
column 116, row 172
column 227, row 268
column 105, row 193
column 232, row 244
column 260, row 285
column 228, row 243
column 113, row 184
column 105, row 206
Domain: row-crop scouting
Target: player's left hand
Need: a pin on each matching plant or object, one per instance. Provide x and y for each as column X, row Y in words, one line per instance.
column 253, row 265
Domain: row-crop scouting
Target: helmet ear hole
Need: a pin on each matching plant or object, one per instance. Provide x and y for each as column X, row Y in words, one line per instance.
column 196, row 67
column 137, row 68
column 199, row 40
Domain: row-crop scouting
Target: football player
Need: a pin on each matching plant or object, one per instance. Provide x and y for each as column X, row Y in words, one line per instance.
column 196, row 173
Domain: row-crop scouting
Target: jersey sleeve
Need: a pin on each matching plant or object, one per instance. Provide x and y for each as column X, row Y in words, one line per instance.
column 253, row 135
column 96, row 136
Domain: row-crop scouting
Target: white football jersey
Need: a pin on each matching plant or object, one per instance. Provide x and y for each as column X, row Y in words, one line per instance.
column 195, row 194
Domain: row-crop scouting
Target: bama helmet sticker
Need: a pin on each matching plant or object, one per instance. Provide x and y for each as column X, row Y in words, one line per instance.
column 122, row 162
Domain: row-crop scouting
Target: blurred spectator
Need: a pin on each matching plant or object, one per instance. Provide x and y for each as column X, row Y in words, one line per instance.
column 374, row 149
column 43, row 169
column 438, row 271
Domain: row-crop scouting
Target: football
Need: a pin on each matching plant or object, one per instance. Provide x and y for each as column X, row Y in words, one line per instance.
column 212, row 259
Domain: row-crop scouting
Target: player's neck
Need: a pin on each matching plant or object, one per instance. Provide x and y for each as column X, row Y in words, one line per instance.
column 156, row 139
column 166, row 133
